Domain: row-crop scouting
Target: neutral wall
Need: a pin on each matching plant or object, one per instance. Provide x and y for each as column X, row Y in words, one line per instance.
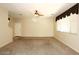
column 39, row 26
column 70, row 39
column 5, row 29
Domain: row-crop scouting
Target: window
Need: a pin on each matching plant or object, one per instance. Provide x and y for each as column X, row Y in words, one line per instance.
column 68, row 24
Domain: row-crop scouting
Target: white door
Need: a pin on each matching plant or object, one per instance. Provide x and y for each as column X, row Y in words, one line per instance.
column 17, row 29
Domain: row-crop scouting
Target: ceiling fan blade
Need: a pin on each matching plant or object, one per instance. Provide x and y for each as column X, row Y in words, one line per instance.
column 36, row 12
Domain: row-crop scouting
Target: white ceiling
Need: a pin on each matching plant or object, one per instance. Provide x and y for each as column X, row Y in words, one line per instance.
column 26, row 9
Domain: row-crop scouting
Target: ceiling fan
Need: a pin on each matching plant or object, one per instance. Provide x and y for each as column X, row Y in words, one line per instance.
column 37, row 13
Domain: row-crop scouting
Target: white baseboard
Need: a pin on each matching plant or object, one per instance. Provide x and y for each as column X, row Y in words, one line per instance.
column 67, row 45
column 5, row 43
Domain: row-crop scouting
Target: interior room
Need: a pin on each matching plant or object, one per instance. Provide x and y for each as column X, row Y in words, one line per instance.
column 39, row 29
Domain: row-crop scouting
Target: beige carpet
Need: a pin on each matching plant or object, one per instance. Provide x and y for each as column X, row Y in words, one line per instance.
column 36, row 46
